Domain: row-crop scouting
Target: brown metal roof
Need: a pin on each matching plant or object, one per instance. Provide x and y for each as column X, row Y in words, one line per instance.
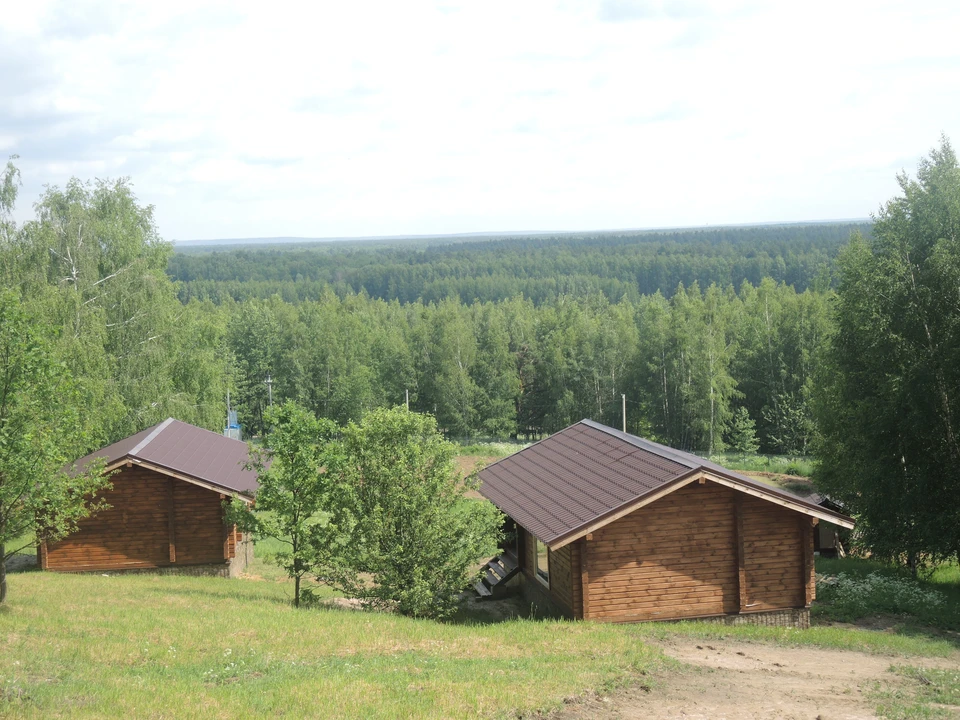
column 187, row 450
column 571, row 480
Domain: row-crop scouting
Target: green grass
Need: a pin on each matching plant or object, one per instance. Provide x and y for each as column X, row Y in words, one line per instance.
column 90, row 646
column 780, row 464
column 922, row 693
column 28, row 542
column 836, row 638
column 489, row 449
column 874, row 589
column 166, row 646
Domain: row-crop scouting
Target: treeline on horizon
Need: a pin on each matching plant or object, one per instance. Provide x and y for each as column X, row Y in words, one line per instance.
column 541, row 268
column 725, row 363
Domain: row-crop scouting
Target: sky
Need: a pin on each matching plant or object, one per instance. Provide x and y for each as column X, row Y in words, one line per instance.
column 358, row 118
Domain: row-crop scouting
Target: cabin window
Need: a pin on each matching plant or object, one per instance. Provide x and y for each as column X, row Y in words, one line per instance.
column 543, row 563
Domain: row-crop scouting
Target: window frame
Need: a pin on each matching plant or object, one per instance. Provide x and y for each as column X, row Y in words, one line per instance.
column 542, row 575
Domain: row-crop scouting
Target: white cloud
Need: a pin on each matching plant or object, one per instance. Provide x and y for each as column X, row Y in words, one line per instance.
column 252, row 119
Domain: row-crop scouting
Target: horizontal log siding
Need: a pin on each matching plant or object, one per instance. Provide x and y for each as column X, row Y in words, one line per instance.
column 200, row 532
column 561, row 583
column 774, row 557
column 135, row 530
column 576, row 584
column 673, row 558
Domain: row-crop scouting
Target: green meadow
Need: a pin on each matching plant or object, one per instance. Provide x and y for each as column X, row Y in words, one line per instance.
column 148, row 646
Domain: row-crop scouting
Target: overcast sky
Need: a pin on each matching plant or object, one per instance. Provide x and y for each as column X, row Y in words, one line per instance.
column 356, row 118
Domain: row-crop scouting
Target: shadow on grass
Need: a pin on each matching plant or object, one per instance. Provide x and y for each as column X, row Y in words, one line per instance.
column 899, row 625
column 474, row 611
column 22, row 562
column 198, row 592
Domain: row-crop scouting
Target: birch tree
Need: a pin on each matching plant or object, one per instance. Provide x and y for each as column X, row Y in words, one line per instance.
column 889, row 408
column 40, row 499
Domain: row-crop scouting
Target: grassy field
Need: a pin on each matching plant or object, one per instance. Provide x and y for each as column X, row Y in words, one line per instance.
column 778, row 464
column 165, row 646
column 488, row 449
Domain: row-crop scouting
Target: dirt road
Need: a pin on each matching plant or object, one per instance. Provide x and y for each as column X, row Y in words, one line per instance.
column 744, row 680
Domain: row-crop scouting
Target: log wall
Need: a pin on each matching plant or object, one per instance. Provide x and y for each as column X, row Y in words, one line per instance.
column 702, row 550
column 154, row 521
column 774, row 557
column 673, row 558
column 563, row 596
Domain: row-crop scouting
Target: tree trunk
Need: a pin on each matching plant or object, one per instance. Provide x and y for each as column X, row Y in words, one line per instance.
column 296, row 591
column 3, row 574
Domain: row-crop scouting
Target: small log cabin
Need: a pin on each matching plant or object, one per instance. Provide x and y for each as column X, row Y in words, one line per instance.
column 166, row 506
column 613, row 527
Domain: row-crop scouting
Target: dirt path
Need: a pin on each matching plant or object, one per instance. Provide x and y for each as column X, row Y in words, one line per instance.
column 745, row 680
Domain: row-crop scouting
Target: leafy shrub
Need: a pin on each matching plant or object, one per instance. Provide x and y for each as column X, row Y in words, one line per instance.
column 852, row 597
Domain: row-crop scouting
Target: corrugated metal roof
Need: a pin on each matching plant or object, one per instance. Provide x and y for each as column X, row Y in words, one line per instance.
column 186, row 450
column 572, row 479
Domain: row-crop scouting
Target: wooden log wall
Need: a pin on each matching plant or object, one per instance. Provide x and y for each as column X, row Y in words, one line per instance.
column 561, row 582
column 702, row 550
column 774, row 557
column 564, row 587
column 199, row 522
column 154, row 520
column 673, row 558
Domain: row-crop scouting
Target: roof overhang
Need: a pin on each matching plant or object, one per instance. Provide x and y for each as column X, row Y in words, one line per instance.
column 128, row 461
column 757, row 490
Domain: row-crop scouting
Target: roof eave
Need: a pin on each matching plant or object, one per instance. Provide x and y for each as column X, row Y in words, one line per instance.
column 769, row 494
column 179, row 475
column 622, row 509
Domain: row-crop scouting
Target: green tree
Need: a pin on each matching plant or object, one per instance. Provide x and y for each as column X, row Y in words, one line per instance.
column 297, row 503
column 39, row 432
column 449, row 356
column 417, row 537
column 9, row 189
column 93, row 263
column 889, row 404
column 742, row 435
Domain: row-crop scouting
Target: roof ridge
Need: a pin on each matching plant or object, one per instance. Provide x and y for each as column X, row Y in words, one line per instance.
column 146, row 441
column 678, row 456
column 692, row 460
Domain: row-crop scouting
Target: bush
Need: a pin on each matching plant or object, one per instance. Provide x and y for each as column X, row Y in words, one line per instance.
column 417, row 538
column 852, row 597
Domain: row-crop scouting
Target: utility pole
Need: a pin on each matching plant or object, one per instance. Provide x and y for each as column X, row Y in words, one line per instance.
column 269, row 383
column 623, row 396
column 408, row 399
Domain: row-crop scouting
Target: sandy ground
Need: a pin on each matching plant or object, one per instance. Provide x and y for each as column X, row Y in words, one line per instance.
column 744, row 680
column 467, row 464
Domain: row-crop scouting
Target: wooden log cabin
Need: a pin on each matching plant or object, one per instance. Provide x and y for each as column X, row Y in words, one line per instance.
column 616, row 528
column 166, row 509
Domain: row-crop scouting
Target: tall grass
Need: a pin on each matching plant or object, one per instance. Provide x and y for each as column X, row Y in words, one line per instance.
column 853, row 589
column 493, row 448
column 779, row 464
column 92, row 646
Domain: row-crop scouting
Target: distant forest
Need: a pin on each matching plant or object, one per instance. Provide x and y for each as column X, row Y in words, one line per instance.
column 541, row 268
column 836, row 338
column 714, row 335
